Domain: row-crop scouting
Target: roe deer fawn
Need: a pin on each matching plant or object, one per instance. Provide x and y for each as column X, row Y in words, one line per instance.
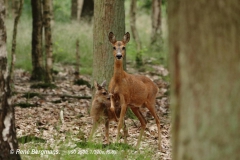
column 131, row 90
column 100, row 111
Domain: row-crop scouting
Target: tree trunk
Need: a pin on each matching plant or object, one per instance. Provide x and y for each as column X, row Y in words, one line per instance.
column 48, row 40
column 109, row 16
column 76, row 9
column 74, row 5
column 13, row 54
column 205, row 68
column 87, row 10
column 37, row 56
column 133, row 10
column 8, row 139
column 77, row 72
column 15, row 7
column 156, row 22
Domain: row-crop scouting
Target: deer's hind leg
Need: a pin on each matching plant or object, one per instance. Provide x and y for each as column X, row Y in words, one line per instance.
column 151, row 106
column 143, row 122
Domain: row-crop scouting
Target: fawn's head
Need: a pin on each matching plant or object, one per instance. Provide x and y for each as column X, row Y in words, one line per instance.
column 101, row 94
column 119, row 46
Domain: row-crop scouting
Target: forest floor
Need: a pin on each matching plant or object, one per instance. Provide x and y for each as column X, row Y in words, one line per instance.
column 39, row 125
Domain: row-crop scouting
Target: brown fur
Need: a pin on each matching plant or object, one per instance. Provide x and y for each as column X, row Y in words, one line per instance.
column 100, row 111
column 131, row 90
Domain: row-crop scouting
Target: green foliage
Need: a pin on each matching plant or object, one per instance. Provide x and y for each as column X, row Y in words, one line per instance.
column 43, row 85
column 24, row 105
column 30, row 138
column 82, row 82
column 31, row 95
column 65, row 33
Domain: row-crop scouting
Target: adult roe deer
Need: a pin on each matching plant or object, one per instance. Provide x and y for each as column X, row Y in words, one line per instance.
column 131, row 90
column 100, row 111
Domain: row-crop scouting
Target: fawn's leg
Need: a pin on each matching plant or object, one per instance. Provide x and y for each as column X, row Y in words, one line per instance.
column 143, row 122
column 107, row 130
column 94, row 127
column 151, row 106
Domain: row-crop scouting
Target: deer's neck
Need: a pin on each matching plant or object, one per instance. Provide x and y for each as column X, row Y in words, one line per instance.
column 118, row 70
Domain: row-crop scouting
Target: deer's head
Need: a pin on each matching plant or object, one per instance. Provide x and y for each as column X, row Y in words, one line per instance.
column 119, row 46
column 101, row 94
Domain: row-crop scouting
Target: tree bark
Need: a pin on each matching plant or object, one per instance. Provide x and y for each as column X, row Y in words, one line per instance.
column 37, row 55
column 8, row 139
column 133, row 10
column 156, row 22
column 13, row 54
column 205, row 68
column 48, row 40
column 109, row 16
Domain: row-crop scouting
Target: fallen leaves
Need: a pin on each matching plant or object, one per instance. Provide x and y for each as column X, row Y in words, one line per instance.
column 56, row 119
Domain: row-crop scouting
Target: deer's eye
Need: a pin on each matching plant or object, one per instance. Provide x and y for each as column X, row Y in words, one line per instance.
column 114, row 48
column 104, row 93
column 123, row 48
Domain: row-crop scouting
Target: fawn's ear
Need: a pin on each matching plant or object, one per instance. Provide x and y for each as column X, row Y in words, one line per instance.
column 103, row 84
column 112, row 38
column 126, row 38
column 97, row 86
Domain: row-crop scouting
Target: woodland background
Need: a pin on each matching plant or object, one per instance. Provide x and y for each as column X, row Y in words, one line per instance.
column 52, row 100
column 197, row 45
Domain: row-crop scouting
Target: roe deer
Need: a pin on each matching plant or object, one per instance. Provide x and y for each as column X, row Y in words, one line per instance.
column 100, row 111
column 131, row 90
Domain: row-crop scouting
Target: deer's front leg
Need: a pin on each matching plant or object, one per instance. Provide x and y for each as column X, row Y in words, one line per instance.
column 112, row 107
column 122, row 115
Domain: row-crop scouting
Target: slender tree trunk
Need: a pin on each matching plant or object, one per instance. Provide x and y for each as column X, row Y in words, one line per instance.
column 48, row 40
column 15, row 7
column 74, row 5
column 37, row 55
column 109, row 16
column 205, row 68
column 77, row 73
column 13, row 54
column 79, row 9
column 76, row 9
column 8, row 139
column 87, row 10
column 133, row 10
column 156, row 22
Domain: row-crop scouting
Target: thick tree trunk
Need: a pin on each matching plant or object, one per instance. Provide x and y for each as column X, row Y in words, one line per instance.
column 48, row 40
column 37, row 56
column 8, row 139
column 13, row 54
column 156, row 22
column 133, row 10
column 109, row 16
column 205, row 68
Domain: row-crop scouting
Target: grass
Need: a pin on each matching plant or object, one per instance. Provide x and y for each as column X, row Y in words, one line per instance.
column 81, row 150
column 66, row 33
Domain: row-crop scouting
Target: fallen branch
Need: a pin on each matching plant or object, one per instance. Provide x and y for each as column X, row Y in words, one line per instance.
column 62, row 95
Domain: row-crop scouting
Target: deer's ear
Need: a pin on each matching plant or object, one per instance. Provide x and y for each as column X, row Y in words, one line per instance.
column 112, row 38
column 97, row 86
column 103, row 83
column 126, row 38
